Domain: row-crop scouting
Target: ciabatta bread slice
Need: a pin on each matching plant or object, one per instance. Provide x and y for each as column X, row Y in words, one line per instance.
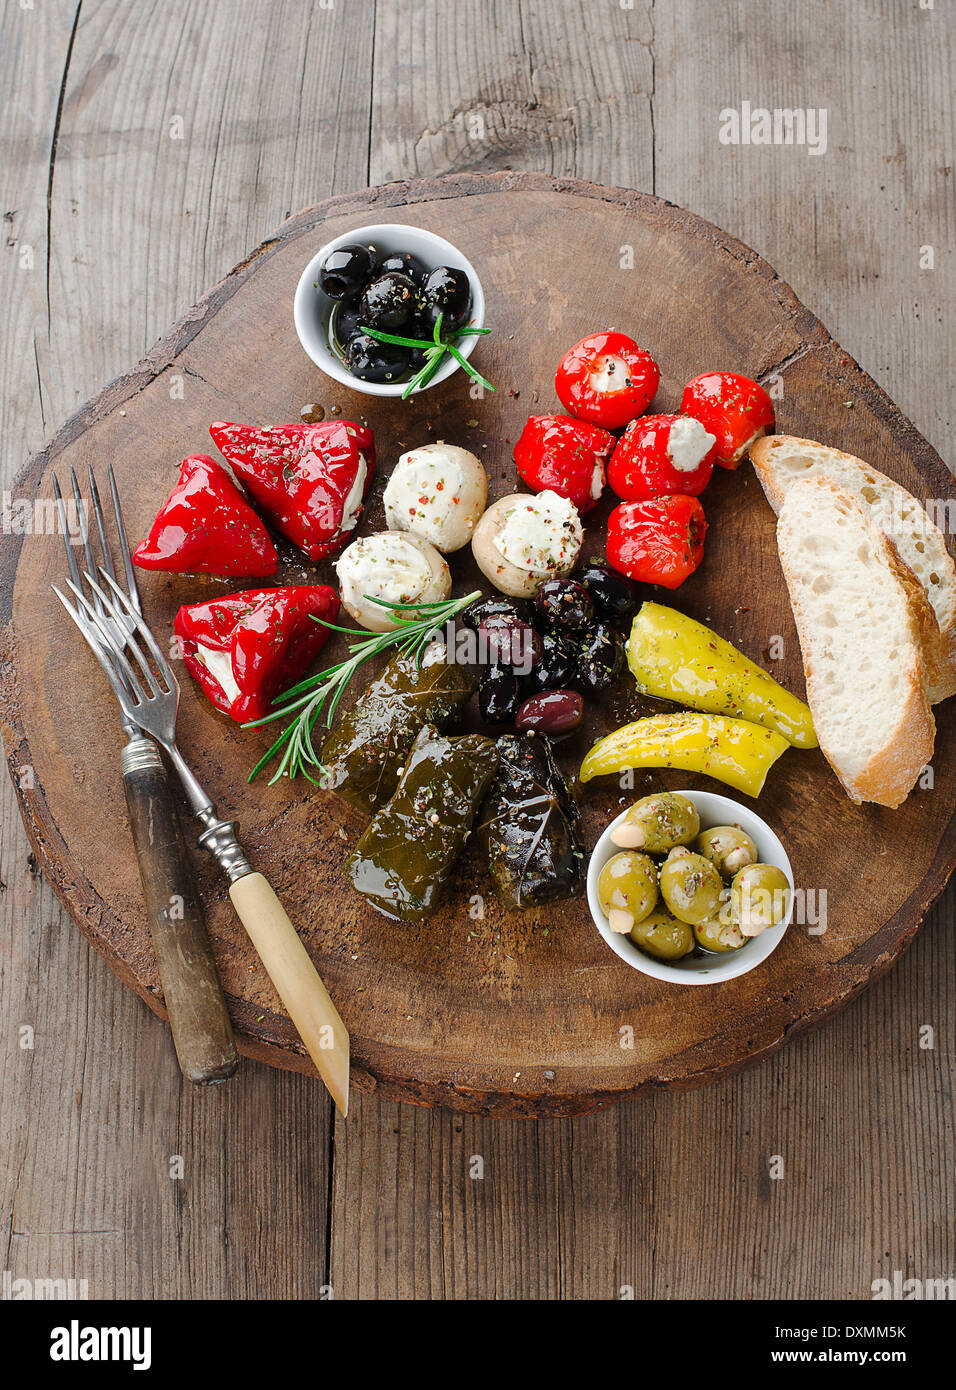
column 779, row 460
column 862, row 619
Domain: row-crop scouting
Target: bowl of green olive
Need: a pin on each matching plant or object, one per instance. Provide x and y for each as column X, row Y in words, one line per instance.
column 690, row 887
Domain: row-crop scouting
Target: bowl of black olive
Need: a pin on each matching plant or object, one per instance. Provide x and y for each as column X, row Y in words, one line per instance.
column 386, row 281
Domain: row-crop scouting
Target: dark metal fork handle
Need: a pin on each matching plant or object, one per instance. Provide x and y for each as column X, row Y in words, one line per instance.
column 198, row 1017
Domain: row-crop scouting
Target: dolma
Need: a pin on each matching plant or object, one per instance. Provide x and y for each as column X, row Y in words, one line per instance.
column 530, row 826
column 404, row 858
column 364, row 754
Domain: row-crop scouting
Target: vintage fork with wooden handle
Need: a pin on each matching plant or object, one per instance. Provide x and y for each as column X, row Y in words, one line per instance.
column 198, row 1016
column 149, row 698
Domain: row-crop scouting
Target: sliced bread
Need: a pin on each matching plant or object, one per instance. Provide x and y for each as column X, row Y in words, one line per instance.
column 779, row 460
column 862, row 618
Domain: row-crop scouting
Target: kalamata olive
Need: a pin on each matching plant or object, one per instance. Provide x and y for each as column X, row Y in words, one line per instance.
column 448, row 292
column 554, row 712
column 614, row 595
column 405, row 263
column 503, row 642
column 346, row 321
column 564, row 604
column 345, row 271
column 389, row 302
column 500, row 694
column 600, row 657
column 519, row 610
column 557, row 667
column 371, row 360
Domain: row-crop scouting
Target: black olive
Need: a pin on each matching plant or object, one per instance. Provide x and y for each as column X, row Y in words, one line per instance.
column 346, row 321
column 405, row 263
column 614, row 595
column 557, row 667
column 600, row 657
column 415, row 328
column 448, row 292
column 519, row 610
column 500, row 695
column 345, row 271
column 564, row 604
column 370, row 360
column 503, row 642
column 389, row 302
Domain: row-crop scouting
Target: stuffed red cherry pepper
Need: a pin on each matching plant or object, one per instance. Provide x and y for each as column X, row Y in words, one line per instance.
column 206, row 526
column 659, row 541
column 731, row 407
column 246, row 648
column 558, row 454
column 660, row 455
column 312, row 480
column 607, row 380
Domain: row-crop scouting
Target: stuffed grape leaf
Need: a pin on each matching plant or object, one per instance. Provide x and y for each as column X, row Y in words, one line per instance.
column 530, row 826
column 404, row 858
column 364, row 754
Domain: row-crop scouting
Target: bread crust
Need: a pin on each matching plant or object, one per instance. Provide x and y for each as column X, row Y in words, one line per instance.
column 892, row 771
column 941, row 643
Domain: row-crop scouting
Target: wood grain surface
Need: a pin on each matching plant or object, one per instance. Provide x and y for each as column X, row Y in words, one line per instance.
column 277, row 112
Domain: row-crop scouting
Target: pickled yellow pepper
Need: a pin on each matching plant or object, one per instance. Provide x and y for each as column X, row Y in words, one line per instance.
column 732, row 750
column 673, row 657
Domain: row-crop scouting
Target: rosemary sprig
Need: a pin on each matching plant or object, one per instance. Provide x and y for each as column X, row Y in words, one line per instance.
column 417, row 625
column 435, row 350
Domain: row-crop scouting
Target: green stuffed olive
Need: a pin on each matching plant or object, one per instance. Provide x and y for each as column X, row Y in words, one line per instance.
column 658, row 823
column 690, row 885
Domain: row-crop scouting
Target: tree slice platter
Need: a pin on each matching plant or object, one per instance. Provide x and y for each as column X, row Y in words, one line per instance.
column 477, row 1009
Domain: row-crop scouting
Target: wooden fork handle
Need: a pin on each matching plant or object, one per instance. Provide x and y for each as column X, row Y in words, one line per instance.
column 297, row 981
column 198, row 1017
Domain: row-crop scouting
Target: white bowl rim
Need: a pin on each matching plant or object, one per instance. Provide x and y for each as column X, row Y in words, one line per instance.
column 445, row 253
column 716, row 969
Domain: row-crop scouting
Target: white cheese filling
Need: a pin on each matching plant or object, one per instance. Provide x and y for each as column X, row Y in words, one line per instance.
column 219, row 666
column 609, row 373
column 688, row 443
column 541, row 534
column 385, row 566
column 423, row 494
column 353, row 502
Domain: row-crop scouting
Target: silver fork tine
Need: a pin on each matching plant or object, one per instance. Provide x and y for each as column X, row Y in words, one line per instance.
column 100, row 525
column 131, row 586
column 101, row 628
column 164, row 667
column 92, row 638
column 84, row 524
column 166, row 672
column 65, row 529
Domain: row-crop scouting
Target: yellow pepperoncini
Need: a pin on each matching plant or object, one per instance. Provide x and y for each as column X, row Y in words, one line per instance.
column 732, row 750
column 673, row 657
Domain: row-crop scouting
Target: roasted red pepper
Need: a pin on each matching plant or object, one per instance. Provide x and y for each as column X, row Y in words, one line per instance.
column 568, row 456
column 659, row 455
column 607, row 379
column 205, row 526
column 733, row 408
column 246, row 648
column 310, row 479
column 657, row 542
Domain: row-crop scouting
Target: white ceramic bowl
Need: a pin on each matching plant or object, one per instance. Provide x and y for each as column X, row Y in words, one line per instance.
column 312, row 307
column 698, row 969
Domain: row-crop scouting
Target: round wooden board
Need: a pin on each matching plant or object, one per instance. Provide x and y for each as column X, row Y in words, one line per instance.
column 511, row 1014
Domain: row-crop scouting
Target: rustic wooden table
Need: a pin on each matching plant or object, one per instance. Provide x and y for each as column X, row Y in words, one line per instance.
column 145, row 148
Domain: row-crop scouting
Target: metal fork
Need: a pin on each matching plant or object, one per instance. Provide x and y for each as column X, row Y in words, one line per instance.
column 148, row 695
column 198, row 1016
